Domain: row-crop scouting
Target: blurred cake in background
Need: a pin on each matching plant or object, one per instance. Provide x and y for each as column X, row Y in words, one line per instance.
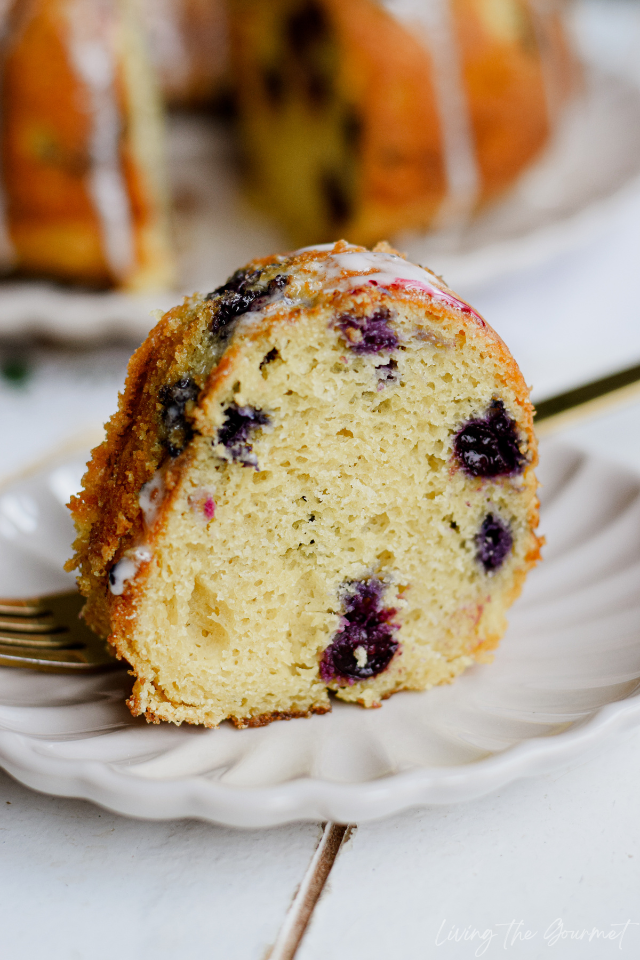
column 364, row 117
column 188, row 46
column 83, row 194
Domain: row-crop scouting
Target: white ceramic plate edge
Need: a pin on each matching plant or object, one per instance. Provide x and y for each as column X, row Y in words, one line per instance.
column 308, row 799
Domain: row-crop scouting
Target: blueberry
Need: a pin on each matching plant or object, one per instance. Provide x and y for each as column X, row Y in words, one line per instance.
column 387, row 373
column 352, row 128
column 234, row 433
column 308, row 35
column 277, row 284
column 493, row 543
column 365, row 642
column 489, row 447
column 370, row 334
column 242, row 292
column 336, row 197
column 238, row 281
column 306, row 27
column 275, row 85
column 174, row 399
column 269, row 357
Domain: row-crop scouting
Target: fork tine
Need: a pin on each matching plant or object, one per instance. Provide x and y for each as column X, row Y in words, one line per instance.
column 58, row 638
column 35, row 607
column 50, row 661
column 39, row 624
column 47, row 633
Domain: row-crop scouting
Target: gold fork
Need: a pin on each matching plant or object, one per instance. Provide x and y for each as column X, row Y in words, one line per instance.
column 46, row 633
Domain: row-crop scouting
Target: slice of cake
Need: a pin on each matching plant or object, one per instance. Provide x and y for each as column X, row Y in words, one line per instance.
column 82, row 180
column 320, row 478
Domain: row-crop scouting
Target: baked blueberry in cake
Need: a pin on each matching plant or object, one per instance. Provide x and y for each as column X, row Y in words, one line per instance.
column 320, row 482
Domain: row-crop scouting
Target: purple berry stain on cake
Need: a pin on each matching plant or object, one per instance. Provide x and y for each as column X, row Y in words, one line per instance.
column 366, row 639
column 370, row 334
column 239, row 424
column 202, row 502
column 493, row 543
column 489, row 446
column 174, row 399
column 244, row 291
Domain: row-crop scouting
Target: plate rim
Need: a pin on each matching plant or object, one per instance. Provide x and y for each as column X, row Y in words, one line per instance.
column 307, row 798
column 108, row 784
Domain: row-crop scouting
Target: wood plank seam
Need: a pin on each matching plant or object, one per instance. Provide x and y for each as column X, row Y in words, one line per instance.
column 306, row 897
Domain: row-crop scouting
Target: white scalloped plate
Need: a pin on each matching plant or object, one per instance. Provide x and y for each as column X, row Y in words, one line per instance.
column 565, row 677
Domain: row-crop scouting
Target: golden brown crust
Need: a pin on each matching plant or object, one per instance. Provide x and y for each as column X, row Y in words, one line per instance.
column 266, row 718
column 261, row 720
column 107, row 512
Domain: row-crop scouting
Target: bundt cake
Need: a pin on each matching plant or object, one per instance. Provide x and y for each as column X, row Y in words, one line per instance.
column 320, row 478
column 81, row 166
column 188, row 46
column 369, row 116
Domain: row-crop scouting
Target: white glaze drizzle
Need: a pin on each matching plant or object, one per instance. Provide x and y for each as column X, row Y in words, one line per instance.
column 151, row 496
column 150, row 499
column 390, row 265
column 93, row 62
column 386, row 269
column 315, row 246
column 168, row 45
column 432, row 21
column 272, row 305
column 126, row 569
column 550, row 66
